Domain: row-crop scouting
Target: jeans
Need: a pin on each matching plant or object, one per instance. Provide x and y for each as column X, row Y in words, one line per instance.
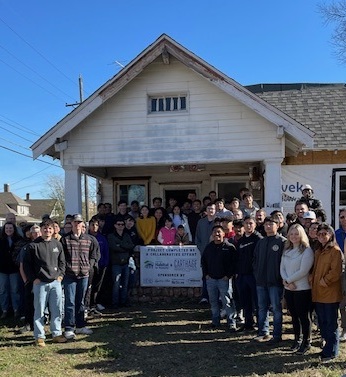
column 219, row 288
column 10, row 287
column 47, row 294
column 327, row 315
column 120, row 276
column 269, row 296
column 75, row 290
column 246, row 285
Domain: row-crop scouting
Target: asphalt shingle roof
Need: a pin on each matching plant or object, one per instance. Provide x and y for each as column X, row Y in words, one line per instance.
column 319, row 107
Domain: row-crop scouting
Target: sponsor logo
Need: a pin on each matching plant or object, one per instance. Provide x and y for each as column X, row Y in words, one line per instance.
column 148, row 264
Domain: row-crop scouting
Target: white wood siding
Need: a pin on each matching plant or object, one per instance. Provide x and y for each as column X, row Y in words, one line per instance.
column 215, row 128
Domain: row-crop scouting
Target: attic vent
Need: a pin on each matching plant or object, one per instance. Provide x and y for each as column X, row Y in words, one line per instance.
column 159, row 104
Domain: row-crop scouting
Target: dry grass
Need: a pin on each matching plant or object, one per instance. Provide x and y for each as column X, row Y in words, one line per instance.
column 161, row 340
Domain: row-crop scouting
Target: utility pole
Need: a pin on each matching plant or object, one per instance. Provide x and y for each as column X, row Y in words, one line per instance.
column 86, row 185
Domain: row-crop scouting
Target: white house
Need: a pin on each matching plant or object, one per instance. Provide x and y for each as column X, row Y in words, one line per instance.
column 170, row 122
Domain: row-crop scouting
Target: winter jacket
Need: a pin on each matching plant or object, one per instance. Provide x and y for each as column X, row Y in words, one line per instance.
column 328, row 265
column 267, row 259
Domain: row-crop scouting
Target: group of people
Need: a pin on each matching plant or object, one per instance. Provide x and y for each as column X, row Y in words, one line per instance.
column 265, row 261
column 250, row 261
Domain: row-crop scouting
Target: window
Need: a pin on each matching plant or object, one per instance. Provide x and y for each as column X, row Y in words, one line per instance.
column 338, row 195
column 159, row 104
column 130, row 190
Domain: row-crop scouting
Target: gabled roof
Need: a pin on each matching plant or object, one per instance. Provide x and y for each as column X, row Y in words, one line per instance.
column 321, row 107
column 298, row 134
column 9, row 203
column 40, row 207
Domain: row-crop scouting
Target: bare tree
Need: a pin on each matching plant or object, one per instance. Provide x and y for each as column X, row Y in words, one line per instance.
column 55, row 189
column 335, row 13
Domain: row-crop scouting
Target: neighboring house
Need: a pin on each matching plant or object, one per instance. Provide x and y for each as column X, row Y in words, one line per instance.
column 10, row 202
column 170, row 122
column 40, row 207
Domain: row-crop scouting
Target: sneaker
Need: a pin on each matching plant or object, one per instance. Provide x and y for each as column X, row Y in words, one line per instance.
column 295, row 346
column 24, row 329
column 232, row 329
column 204, row 301
column 59, row 339
column 326, row 359
column 84, row 331
column 40, row 342
column 95, row 312
column 274, row 341
column 100, row 307
column 262, row 338
column 69, row 335
column 304, row 347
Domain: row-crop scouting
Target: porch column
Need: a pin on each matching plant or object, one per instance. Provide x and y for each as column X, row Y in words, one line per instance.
column 73, row 190
column 272, row 185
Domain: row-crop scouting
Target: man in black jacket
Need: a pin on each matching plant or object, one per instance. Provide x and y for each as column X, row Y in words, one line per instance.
column 120, row 249
column 44, row 266
column 218, row 265
column 246, row 283
column 266, row 266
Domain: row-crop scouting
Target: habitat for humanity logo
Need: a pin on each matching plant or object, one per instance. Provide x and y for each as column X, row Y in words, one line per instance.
column 148, row 264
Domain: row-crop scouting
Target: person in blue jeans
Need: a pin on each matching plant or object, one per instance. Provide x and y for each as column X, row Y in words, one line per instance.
column 326, row 284
column 218, row 266
column 44, row 267
column 120, row 249
column 269, row 285
column 82, row 253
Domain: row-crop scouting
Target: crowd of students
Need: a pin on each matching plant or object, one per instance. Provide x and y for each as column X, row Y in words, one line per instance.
column 249, row 260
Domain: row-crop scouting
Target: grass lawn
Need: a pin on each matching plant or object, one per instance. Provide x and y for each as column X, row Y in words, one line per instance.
column 160, row 340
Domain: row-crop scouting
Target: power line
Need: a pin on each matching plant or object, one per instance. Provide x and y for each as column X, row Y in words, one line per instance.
column 13, row 133
column 21, row 128
column 38, row 74
column 18, row 145
column 25, row 155
column 30, row 176
column 28, row 78
column 38, row 52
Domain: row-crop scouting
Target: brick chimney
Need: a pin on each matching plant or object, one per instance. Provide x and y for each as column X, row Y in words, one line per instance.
column 6, row 187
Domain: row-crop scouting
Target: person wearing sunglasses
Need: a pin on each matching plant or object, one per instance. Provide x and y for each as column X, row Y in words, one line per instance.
column 327, row 289
column 120, row 248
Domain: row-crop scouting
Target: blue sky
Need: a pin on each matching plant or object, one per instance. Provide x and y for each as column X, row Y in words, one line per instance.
column 45, row 45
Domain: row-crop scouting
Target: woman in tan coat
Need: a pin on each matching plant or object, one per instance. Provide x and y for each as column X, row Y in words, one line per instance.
column 327, row 290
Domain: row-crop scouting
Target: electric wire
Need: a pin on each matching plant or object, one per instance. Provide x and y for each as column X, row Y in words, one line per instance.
column 25, row 155
column 38, row 74
column 28, row 78
column 13, row 133
column 21, row 128
column 38, row 52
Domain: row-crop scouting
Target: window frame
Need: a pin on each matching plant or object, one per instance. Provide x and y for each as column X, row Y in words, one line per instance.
column 162, row 100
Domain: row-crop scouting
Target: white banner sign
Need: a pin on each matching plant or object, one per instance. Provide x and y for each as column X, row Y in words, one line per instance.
column 170, row 266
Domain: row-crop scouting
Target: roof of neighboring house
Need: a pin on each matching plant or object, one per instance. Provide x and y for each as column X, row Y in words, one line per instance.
column 320, row 107
column 40, row 207
column 9, row 203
